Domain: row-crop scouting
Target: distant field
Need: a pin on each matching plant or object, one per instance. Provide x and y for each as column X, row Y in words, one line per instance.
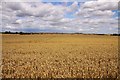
column 59, row 56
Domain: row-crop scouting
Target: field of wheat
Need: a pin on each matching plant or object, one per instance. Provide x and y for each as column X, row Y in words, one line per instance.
column 59, row 56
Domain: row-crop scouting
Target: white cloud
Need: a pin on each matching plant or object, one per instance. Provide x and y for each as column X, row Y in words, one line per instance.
column 90, row 17
column 100, row 8
column 106, row 13
column 19, row 21
column 94, row 13
column 21, row 0
column 108, row 0
column 73, row 7
column 97, row 5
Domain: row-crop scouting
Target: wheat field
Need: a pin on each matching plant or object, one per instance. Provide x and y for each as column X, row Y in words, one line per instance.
column 59, row 56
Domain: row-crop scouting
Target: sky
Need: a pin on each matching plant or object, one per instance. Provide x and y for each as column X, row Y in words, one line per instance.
column 62, row 16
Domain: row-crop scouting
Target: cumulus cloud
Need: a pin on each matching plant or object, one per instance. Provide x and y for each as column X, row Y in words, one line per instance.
column 73, row 7
column 98, row 8
column 96, row 13
column 89, row 17
column 20, row 0
column 108, row 0
column 101, row 5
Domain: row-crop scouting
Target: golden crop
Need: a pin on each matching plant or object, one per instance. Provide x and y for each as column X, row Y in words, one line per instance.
column 59, row 56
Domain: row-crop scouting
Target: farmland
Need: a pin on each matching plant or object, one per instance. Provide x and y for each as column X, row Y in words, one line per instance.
column 59, row 56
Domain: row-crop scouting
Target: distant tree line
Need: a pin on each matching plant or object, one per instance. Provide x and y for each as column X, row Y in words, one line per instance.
column 115, row 34
column 28, row 33
column 9, row 32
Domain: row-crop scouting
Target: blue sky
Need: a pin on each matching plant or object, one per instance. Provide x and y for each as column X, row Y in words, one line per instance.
column 68, row 17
